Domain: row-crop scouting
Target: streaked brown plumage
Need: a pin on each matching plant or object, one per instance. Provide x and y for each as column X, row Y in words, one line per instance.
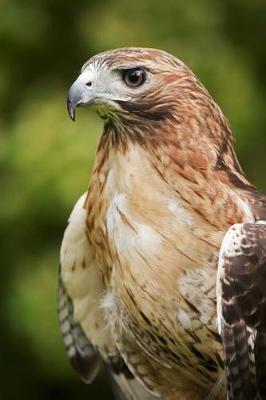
column 139, row 257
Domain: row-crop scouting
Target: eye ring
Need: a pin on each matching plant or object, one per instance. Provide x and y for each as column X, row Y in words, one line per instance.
column 134, row 77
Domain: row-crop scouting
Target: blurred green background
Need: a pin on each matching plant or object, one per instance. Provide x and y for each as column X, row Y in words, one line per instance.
column 45, row 159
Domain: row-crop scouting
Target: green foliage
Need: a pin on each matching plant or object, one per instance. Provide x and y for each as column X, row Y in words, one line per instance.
column 45, row 159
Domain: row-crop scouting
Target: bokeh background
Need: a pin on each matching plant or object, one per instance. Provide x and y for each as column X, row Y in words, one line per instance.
column 45, row 159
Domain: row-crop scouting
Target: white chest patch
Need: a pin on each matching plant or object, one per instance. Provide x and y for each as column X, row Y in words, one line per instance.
column 113, row 218
column 131, row 233
column 178, row 212
column 147, row 236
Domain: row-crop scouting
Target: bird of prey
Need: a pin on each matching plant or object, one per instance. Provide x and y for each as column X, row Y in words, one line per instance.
column 163, row 262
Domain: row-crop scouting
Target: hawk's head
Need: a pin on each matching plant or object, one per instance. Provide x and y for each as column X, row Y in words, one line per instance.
column 146, row 83
column 150, row 94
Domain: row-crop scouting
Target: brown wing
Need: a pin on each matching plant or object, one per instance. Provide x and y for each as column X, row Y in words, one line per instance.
column 241, row 308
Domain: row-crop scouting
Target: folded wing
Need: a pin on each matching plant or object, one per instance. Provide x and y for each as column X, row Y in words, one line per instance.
column 86, row 337
column 241, row 309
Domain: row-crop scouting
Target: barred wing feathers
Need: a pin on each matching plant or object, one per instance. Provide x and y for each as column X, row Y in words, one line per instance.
column 241, row 307
column 82, row 355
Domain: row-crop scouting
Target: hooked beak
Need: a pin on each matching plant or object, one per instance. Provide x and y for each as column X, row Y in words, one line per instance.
column 80, row 93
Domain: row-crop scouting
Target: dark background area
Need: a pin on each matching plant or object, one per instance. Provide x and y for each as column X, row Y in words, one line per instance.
column 45, row 159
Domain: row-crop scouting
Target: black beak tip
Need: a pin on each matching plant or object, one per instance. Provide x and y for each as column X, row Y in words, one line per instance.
column 71, row 110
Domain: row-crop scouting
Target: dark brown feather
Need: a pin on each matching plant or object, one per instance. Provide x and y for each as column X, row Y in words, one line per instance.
column 243, row 292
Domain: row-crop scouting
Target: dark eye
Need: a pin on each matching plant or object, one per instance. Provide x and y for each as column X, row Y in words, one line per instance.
column 134, row 77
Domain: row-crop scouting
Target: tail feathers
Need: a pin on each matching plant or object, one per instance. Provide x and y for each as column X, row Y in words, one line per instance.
column 130, row 389
column 240, row 367
column 125, row 385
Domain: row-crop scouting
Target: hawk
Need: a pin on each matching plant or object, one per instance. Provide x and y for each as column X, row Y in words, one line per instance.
column 163, row 263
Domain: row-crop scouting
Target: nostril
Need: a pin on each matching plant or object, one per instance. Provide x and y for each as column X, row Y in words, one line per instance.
column 88, row 84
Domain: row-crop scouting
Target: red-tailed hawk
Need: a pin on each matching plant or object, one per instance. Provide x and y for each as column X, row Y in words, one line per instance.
column 163, row 262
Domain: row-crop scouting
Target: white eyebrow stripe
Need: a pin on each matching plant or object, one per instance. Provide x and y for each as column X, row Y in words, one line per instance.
column 130, row 66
